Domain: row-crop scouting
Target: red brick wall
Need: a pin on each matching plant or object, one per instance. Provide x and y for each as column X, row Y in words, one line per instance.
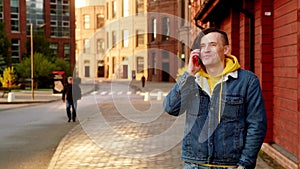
column 285, row 75
column 159, row 9
column 264, row 58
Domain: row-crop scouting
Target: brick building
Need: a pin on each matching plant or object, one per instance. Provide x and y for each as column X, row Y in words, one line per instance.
column 57, row 17
column 125, row 29
column 163, row 40
column 90, row 39
column 264, row 35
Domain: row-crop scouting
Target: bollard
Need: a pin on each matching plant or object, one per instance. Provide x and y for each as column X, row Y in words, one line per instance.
column 147, row 96
column 159, row 95
column 11, row 97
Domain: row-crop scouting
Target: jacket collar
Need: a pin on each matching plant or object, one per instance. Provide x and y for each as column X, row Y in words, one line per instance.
column 203, row 83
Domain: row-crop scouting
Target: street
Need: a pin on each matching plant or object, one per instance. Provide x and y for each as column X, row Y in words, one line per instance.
column 30, row 135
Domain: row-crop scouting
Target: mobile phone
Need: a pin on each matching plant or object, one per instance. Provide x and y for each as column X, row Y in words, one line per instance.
column 196, row 59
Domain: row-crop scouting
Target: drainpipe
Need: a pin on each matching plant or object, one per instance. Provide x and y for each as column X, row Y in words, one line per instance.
column 251, row 37
column 197, row 24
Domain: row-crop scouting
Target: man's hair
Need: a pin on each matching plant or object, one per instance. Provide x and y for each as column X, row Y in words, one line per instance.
column 196, row 43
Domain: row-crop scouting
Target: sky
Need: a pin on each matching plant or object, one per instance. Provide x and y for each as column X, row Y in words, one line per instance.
column 82, row 3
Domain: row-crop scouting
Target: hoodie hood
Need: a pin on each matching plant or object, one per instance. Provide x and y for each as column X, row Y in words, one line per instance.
column 231, row 65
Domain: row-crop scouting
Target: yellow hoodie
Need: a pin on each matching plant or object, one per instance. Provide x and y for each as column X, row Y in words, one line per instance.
column 231, row 65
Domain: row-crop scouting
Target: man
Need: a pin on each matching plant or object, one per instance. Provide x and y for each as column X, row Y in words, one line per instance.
column 143, row 81
column 225, row 114
column 70, row 95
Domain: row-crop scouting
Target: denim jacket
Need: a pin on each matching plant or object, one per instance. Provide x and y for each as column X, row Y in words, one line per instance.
column 226, row 127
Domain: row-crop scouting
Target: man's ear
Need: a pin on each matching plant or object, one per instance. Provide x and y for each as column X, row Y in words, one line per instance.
column 226, row 49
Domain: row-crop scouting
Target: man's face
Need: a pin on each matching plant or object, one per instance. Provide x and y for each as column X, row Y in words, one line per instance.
column 213, row 50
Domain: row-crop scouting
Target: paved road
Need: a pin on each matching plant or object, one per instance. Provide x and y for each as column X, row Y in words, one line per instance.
column 30, row 135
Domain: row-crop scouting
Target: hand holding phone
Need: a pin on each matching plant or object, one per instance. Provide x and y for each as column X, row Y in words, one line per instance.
column 196, row 60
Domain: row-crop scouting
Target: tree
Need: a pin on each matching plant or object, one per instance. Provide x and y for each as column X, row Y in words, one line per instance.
column 5, row 44
column 40, row 44
column 8, row 78
column 61, row 64
column 43, row 68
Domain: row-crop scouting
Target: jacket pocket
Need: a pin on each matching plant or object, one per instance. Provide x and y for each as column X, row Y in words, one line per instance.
column 233, row 107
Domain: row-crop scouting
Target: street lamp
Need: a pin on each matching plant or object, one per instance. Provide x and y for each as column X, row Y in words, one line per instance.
column 31, row 57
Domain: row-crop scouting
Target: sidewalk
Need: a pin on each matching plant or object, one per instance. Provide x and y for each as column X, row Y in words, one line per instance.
column 80, row 150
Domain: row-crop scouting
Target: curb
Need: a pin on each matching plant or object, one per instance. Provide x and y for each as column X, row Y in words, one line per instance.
column 60, row 148
column 278, row 157
column 29, row 102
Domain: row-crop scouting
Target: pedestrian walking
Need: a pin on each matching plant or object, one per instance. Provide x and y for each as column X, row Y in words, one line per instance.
column 70, row 95
column 143, row 81
column 225, row 114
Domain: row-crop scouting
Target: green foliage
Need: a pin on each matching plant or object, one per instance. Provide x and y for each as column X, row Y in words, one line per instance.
column 40, row 44
column 5, row 44
column 61, row 64
column 8, row 78
column 43, row 68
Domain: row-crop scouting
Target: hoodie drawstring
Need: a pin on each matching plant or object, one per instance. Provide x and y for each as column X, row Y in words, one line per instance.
column 220, row 100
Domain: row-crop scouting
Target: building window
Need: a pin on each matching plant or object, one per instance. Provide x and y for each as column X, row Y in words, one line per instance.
column 140, row 64
column 100, row 46
column 182, row 13
column 54, row 47
column 154, row 63
column 125, row 8
column 114, row 9
column 14, row 7
column 86, row 21
column 153, row 34
column 66, row 51
column 140, row 38
column 66, row 2
column 139, row 6
column 86, row 47
column 86, row 71
column 34, row 14
column 165, row 55
column 59, row 11
column 107, row 9
column 107, row 40
column 165, row 28
column 65, row 23
column 113, row 64
column 114, row 39
column 15, row 50
column 100, row 20
column 66, row 10
column 125, row 38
